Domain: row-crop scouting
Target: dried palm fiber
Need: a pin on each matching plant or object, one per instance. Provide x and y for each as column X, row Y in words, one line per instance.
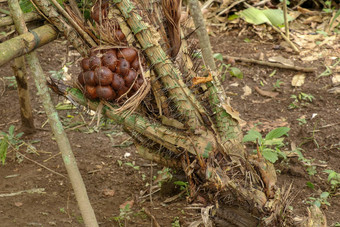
column 172, row 13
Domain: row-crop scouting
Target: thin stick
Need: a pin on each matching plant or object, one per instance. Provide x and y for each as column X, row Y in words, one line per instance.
column 56, row 126
column 277, row 65
column 285, row 16
column 41, row 165
column 230, row 7
column 29, row 191
column 74, row 24
column 287, row 39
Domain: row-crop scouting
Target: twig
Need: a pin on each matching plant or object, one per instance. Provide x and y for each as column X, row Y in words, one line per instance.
column 226, row 10
column 286, row 38
column 147, row 212
column 277, row 65
column 41, row 165
column 30, row 191
column 285, row 16
column 74, row 24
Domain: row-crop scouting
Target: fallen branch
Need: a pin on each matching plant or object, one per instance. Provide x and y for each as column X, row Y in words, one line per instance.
column 30, row 191
column 28, row 17
column 25, row 43
column 270, row 64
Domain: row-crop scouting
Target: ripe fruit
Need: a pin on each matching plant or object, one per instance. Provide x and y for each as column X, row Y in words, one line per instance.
column 119, row 35
column 103, row 75
column 123, row 67
column 128, row 53
column 117, row 82
column 110, row 60
column 105, row 92
column 135, row 64
column 81, row 79
column 85, row 64
column 89, row 78
column 95, row 62
column 90, row 92
column 130, row 78
column 122, row 91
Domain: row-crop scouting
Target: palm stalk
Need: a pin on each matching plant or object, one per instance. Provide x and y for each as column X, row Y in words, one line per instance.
column 170, row 76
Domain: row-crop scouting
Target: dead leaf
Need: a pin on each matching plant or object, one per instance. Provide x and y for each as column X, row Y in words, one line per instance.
column 233, row 113
column 316, row 18
column 201, row 80
column 18, row 204
column 266, row 93
column 128, row 204
column 336, row 80
column 282, row 60
column 247, row 91
column 109, row 192
column 298, row 80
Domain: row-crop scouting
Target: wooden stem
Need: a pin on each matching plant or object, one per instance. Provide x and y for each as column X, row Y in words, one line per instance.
column 28, row 17
column 56, row 126
column 20, row 74
column 25, row 43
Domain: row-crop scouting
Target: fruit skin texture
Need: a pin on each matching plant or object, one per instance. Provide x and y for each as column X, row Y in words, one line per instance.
column 129, row 54
column 81, row 79
column 110, row 60
column 123, row 67
column 85, row 64
column 95, row 62
column 117, row 82
column 130, row 78
column 119, row 35
column 105, row 92
column 89, row 78
column 90, row 92
column 103, row 75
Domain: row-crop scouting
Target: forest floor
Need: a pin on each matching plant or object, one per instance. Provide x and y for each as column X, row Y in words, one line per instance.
column 115, row 175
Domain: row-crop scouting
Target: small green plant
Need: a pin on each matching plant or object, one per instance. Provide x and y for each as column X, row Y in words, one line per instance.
column 224, row 68
column 124, row 215
column 333, row 179
column 311, row 170
column 302, row 121
column 175, row 222
column 277, row 84
column 9, row 139
column 62, row 210
column 132, row 165
column 302, row 99
column 269, row 146
column 322, row 200
column 183, row 186
column 11, row 82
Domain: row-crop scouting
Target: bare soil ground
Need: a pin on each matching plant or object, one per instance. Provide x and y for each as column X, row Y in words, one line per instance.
column 112, row 177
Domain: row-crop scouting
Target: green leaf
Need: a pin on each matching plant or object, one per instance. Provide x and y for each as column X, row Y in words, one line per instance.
column 11, row 130
column 270, row 155
column 269, row 16
column 317, row 203
column 310, row 184
column 218, row 56
column 3, row 149
column 252, row 136
column 273, row 142
column 324, row 195
column 236, row 72
column 276, row 133
column 334, row 18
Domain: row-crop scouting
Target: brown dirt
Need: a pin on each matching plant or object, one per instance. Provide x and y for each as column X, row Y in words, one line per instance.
column 109, row 185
